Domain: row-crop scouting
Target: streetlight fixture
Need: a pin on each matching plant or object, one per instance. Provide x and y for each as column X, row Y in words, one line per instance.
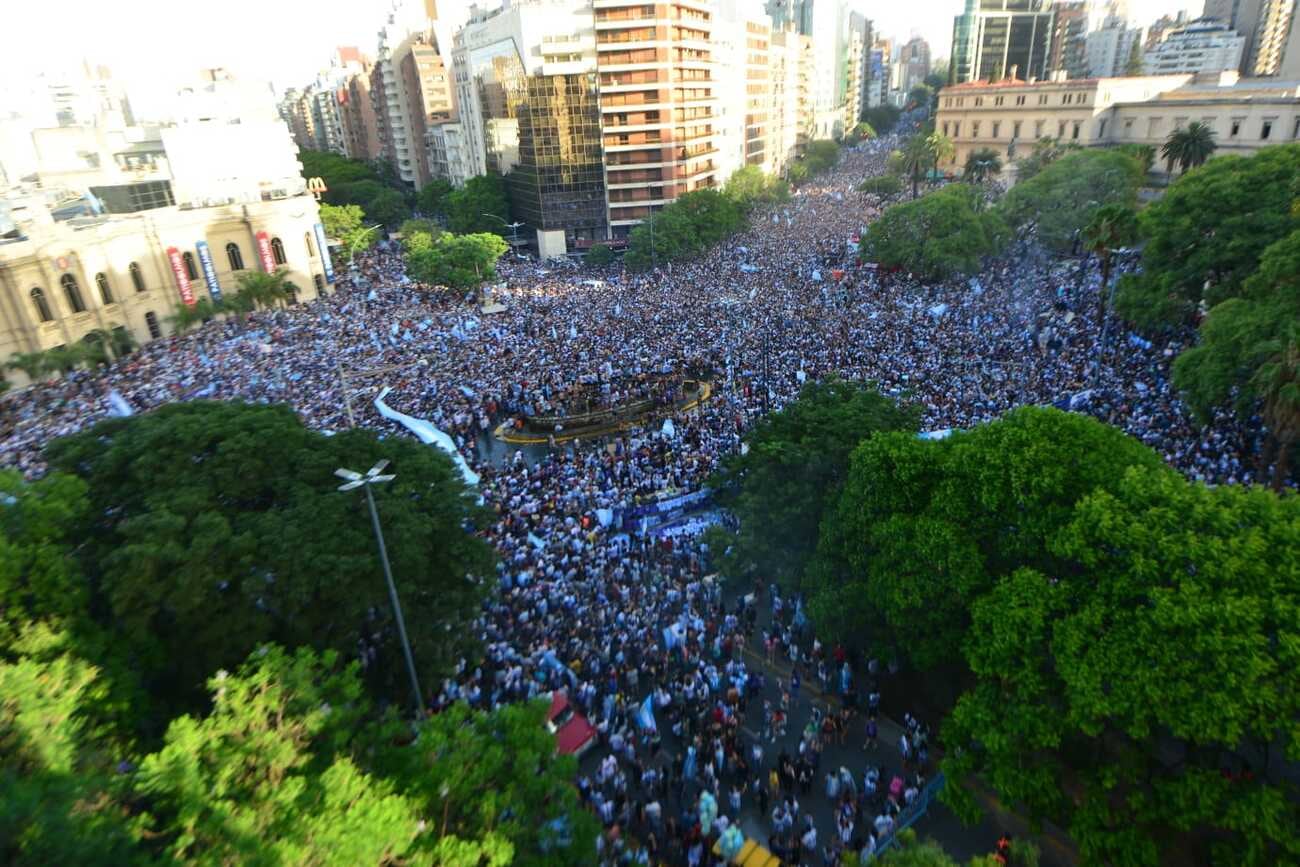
column 375, row 476
column 513, row 227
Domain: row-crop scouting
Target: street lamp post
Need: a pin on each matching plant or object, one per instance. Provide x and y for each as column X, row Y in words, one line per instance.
column 352, row 481
column 513, row 227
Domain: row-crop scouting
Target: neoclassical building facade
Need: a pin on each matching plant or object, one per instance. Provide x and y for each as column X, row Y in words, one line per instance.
column 59, row 281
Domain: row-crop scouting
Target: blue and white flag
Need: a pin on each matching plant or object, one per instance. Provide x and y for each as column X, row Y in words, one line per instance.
column 645, row 715
column 118, row 406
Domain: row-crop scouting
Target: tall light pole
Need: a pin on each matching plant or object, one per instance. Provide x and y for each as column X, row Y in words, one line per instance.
column 354, row 480
column 513, row 227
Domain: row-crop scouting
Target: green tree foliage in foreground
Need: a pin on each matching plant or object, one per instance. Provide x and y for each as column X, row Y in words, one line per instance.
column 1045, row 151
column 819, row 156
column 290, row 765
column 1247, row 355
column 211, row 528
column 1060, row 200
column 1206, row 235
column 924, row 528
column 371, row 186
column 684, row 229
column 1123, row 645
column 982, row 165
column 796, row 462
column 481, row 206
column 941, row 234
column 457, row 261
column 432, row 198
column 1145, row 692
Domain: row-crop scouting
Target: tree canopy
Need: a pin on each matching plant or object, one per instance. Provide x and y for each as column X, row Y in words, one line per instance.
column 457, row 261
column 213, row 527
column 941, row 234
column 1206, row 235
column 373, row 187
column 1060, row 200
column 684, row 229
column 467, row 208
column 748, row 187
column 883, row 118
column 796, row 462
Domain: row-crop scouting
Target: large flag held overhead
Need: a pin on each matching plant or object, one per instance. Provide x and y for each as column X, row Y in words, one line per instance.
column 645, row 715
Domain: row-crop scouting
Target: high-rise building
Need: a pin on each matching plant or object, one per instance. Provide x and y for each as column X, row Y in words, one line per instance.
column 1114, row 50
column 1201, row 46
column 998, row 39
column 1271, row 33
column 790, row 115
column 1162, row 25
column 914, row 55
column 878, row 74
column 658, row 99
column 426, row 92
column 1290, row 67
column 530, row 109
column 1069, row 50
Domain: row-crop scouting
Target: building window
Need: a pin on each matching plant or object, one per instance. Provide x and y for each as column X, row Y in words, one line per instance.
column 945, row 127
column 137, row 279
column 319, row 282
column 1020, row 100
column 1038, row 129
column 236, row 258
column 1234, row 129
column 1179, row 122
column 1267, row 128
column 1060, row 129
column 1153, row 126
column 975, row 129
column 293, row 292
column 1015, row 130
column 42, row 306
column 1067, row 98
column 1042, row 99
column 190, row 270
column 997, row 128
column 105, row 292
column 1101, row 128
column 997, row 100
column 1128, row 127
column 73, row 293
column 1295, row 130
column 277, row 251
column 151, row 322
column 979, row 100
column 1075, row 133
column 311, row 248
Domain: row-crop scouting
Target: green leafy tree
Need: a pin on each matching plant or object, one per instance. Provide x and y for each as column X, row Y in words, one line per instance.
column 981, row 165
column 1046, row 151
column 413, row 227
column 214, row 527
column 1110, row 228
column 1246, row 357
column 340, row 221
column 432, row 198
column 457, row 261
column 599, row 255
column 920, row 96
column 1204, row 237
column 498, row 772
column 334, row 170
column 882, row 118
column 685, row 229
column 389, row 207
column 1144, row 154
column 1061, row 199
column 466, row 207
column 795, row 465
column 1189, row 146
column 941, row 148
column 1124, row 692
column 32, row 364
column 748, row 187
column 882, row 185
column 923, row 528
column 57, row 804
column 937, row 236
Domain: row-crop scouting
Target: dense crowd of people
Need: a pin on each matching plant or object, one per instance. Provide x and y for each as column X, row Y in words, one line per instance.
column 617, row 616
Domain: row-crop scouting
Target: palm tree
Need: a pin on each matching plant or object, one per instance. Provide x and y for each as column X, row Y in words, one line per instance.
column 62, row 359
column 1111, row 227
column 264, row 290
column 916, row 161
column 982, row 165
column 1189, row 146
column 30, row 363
column 942, row 150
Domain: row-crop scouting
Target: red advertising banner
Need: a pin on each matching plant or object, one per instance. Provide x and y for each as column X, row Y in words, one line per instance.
column 264, row 253
column 182, row 279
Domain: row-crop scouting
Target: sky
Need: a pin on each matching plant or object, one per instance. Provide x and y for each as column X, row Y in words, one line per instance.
column 154, row 46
